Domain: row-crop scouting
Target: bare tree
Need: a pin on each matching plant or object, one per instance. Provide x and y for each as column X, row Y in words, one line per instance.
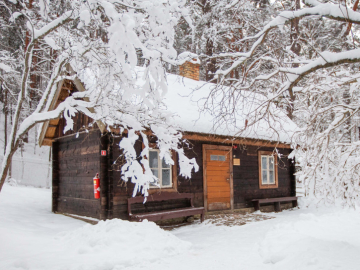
column 313, row 76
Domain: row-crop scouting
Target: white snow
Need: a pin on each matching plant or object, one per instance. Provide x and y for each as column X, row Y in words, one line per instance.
column 186, row 98
column 31, row 165
column 51, row 42
column 34, row 238
column 31, row 237
column 6, row 68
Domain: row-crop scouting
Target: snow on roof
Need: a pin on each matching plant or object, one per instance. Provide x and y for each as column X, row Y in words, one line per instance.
column 186, row 99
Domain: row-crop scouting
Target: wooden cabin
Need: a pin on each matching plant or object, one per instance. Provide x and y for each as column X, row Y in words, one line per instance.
column 233, row 170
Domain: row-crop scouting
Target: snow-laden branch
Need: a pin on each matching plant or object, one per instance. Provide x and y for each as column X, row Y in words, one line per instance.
column 329, row 10
column 45, row 30
column 327, row 59
column 99, row 39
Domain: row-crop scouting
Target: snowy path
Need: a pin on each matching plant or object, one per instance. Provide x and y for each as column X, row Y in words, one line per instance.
column 31, row 237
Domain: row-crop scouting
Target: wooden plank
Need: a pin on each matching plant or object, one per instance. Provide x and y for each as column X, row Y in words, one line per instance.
column 170, row 214
column 161, row 197
column 50, row 132
column 219, row 199
column 218, row 189
column 232, row 140
column 54, row 122
column 280, row 199
column 219, row 173
column 217, row 184
column 222, row 168
column 219, row 194
column 47, row 141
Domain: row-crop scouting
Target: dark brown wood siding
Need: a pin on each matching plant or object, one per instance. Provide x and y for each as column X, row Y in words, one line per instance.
column 77, row 160
column 245, row 180
column 195, row 183
column 75, row 163
column 123, row 190
column 81, row 123
column 246, row 176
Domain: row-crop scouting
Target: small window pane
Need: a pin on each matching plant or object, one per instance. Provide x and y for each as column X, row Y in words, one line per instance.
column 222, row 158
column 164, row 165
column 271, row 163
column 263, row 163
column 264, row 176
column 271, row 177
column 153, row 159
column 165, row 177
column 213, row 157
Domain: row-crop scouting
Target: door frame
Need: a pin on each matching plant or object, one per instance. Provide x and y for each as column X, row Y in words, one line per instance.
column 206, row 147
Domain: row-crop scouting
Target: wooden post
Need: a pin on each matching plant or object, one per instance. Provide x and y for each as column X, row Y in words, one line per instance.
column 110, row 160
column 104, row 139
column 55, row 176
column 277, row 206
column 256, row 205
column 294, row 203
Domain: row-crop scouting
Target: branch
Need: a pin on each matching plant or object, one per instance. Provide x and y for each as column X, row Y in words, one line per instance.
column 45, row 30
column 328, row 59
column 328, row 10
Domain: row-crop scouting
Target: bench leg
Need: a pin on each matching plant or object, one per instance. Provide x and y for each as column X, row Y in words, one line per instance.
column 277, row 207
column 257, row 206
column 202, row 217
column 294, row 203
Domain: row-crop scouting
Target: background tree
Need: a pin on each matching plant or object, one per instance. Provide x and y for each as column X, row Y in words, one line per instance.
column 305, row 60
column 218, row 26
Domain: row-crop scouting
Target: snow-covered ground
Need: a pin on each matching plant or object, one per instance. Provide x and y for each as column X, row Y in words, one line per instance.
column 31, row 237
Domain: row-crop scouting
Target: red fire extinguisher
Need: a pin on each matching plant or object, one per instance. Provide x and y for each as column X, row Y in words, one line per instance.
column 97, row 187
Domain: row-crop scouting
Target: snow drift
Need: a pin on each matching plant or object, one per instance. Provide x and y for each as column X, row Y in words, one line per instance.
column 129, row 243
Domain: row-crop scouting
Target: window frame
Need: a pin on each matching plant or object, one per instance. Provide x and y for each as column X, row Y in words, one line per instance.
column 267, row 185
column 173, row 176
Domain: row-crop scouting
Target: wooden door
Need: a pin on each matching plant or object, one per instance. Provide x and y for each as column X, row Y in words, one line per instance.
column 218, row 177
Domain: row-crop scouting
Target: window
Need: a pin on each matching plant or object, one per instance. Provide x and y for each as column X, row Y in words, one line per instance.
column 267, row 170
column 217, row 158
column 160, row 169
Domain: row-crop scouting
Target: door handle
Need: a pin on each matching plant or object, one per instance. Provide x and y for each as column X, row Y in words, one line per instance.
column 228, row 179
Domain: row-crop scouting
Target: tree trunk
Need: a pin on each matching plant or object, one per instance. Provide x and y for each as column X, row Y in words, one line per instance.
column 348, row 29
column 5, row 122
column 295, row 48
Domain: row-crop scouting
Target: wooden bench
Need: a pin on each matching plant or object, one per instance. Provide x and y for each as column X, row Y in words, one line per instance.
column 165, row 214
column 276, row 202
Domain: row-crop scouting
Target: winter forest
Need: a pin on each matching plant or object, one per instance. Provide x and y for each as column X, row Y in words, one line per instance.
column 270, row 72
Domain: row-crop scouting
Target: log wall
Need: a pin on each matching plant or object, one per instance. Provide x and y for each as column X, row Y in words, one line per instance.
column 77, row 160
column 245, row 179
column 75, row 163
column 245, row 176
column 81, row 123
column 124, row 190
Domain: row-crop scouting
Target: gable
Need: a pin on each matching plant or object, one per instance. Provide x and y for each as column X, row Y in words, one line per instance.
column 53, row 129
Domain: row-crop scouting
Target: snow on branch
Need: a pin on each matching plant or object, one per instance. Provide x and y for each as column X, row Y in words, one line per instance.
column 332, row 11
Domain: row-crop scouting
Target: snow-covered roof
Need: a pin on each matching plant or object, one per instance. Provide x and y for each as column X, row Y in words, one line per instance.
column 186, row 99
